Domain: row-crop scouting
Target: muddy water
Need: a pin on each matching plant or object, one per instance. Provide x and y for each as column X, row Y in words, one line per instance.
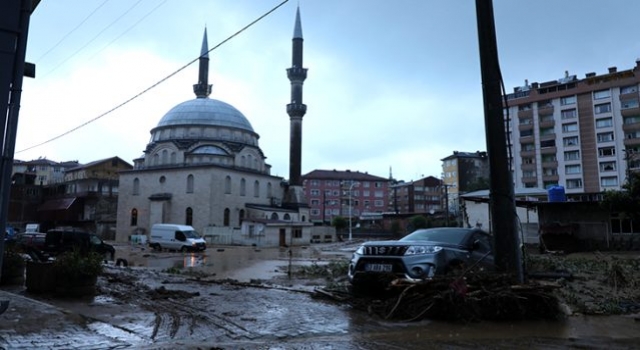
column 239, row 263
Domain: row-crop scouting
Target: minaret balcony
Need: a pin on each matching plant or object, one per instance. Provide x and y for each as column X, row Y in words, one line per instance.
column 296, row 109
column 297, row 73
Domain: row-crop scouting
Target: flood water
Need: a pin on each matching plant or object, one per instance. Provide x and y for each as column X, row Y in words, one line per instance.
column 234, row 262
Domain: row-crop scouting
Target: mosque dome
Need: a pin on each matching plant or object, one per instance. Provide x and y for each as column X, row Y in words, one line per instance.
column 205, row 112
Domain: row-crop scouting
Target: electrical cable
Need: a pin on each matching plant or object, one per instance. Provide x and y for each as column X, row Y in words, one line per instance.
column 157, row 83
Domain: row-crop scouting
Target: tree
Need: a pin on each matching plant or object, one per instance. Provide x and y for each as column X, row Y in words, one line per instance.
column 339, row 222
column 626, row 201
column 417, row 222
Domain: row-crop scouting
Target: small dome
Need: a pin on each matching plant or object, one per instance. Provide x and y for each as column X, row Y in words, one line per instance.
column 205, row 111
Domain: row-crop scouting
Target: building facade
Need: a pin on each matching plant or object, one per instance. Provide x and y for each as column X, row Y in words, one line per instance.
column 345, row 193
column 583, row 134
column 463, row 172
column 421, row 196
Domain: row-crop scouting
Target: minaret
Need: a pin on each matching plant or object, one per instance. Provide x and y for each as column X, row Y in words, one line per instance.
column 296, row 110
column 202, row 89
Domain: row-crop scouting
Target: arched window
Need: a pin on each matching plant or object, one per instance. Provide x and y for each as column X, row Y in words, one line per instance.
column 256, row 189
column 136, row 186
column 165, row 156
column 173, row 158
column 227, row 185
column 269, row 195
column 189, row 216
column 226, row 217
column 274, row 216
column 240, row 217
column 190, row 183
column 156, row 159
column 134, row 217
column 243, row 187
column 249, row 161
column 287, row 217
column 243, row 161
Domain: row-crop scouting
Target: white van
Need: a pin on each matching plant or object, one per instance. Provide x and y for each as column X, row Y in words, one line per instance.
column 175, row 237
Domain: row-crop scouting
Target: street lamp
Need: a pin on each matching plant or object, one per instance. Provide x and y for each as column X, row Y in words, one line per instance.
column 353, row 183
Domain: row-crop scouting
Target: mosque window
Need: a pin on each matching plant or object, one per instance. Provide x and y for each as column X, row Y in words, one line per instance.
column 162, row 179
column 249, row 161
column 287, row 217
column 134, row 217
column 269, row 194
column 156, row 159
column 243, row 187
column 274, row 216
column 173, row 158
column 136, row 186
column 227, row 185
column 256, row 189
column 189, row 216
column 190, row 183
column 225, row 221
column 243, row 161
column 165, row 156
column 240, row 217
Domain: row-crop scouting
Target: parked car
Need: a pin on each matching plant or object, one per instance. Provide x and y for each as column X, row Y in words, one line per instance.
column 58, row 241
column 31, row 240
column 422, row 254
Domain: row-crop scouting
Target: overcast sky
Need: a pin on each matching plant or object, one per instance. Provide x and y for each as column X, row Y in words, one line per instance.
column 391, row 83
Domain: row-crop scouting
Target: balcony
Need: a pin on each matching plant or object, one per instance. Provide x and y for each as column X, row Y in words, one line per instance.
column 550, row 164
column 545, row 110
column 525, row 113
column 631, row 95
column 548, row 150
column 530, row 153
column 630, row 111
column 547, row 123
column 531, row 166
column 546, row 178
column 529, row 179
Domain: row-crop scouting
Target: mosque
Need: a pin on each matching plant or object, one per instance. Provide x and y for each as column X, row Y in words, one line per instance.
column 204, row 167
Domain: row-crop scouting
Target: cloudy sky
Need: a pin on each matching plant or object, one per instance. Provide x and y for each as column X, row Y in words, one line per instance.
column 391, row 84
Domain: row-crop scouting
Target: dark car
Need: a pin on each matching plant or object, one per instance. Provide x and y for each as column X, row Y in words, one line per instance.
column 422, row 254
column 58, row 241
column 31, row 240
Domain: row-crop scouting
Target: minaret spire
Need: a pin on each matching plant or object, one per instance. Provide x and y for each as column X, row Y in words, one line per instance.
column 296, row 110
column 202, row 89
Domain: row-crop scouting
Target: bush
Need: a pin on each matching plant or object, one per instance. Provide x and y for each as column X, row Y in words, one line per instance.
column 76, row 266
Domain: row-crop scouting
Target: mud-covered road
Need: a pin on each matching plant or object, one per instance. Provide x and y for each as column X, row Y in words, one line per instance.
column 156, row 302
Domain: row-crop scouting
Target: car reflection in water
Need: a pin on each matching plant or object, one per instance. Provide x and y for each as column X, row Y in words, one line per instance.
column 421, row 255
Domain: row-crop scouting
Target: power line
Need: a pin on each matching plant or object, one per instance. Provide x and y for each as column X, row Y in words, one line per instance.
column 72, row 31
column 92, row 39
column 157, row 83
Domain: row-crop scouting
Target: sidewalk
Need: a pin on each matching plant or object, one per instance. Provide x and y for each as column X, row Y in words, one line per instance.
column 32, row 324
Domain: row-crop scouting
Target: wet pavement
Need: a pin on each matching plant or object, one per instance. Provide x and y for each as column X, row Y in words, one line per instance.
column 208, row 314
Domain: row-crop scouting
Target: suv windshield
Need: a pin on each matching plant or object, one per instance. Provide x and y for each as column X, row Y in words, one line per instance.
column 448, row 235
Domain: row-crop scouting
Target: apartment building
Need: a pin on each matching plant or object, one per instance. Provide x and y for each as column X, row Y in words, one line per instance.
column 346, row 193
column 583, row 134
column 47, row 172
column 421, row 196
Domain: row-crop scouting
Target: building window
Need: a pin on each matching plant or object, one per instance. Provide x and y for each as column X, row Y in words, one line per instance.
column 297, row 233
column 608, row 181
column 188, row 216
column 528, row 147
column 377, row 184
column 526, row 121
column 287, row 217
column 547, row 143
column 525, row 133
column 601, row 94
column 243, row 187
column 546, row 131
column 315, row 183
column 162, row 179
column 568, row 100
column 548, row 158
column 605, row 137
column 134, row 217
column 274, row 216
column 629, row 89
column 607, row 166
column 572, row 155
column 256, row 188
column 569, row 127
column 227, row 214
column 269, row 193
column 315, row 202
column 604, row 122
column 629, row 104
column 606, row 151
column 529, row 173
column 240, row 217
column 315, row 212
column 570, row 141
column 631, row 120
column 528, row 160
column 524, row 107
column 136, row 186
column 378, row 203
column 315, row 193
column 569, row 113
column 549, row 171
column 190, row 183
column 602, row 108
column 574, row 183
column 227, row 185
column 572, row 169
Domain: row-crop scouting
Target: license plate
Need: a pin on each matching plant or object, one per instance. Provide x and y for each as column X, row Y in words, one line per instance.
column 378, row 267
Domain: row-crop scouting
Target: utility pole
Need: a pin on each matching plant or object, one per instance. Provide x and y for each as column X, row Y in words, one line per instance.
column 508, row 256
column 14, row 29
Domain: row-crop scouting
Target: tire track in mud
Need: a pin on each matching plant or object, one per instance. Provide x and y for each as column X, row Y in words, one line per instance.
column 175, row 316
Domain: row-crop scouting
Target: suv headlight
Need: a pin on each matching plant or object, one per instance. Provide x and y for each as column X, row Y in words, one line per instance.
column 422, row 249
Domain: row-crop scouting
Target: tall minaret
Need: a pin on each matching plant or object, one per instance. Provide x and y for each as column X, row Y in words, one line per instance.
column 296, row 110
column 202, row 89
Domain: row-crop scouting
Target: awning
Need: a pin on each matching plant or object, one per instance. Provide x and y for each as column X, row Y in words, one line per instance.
column 57, row 204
